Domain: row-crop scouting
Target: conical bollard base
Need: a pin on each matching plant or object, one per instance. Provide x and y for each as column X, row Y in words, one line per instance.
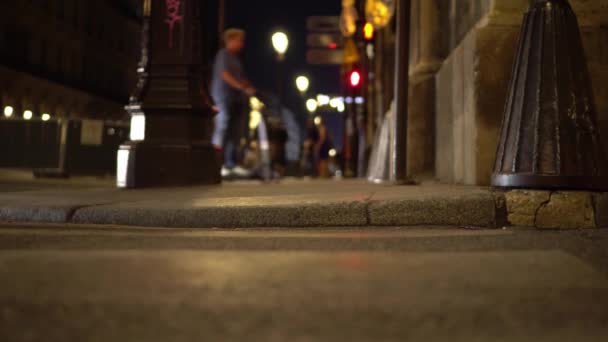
column 549, row 136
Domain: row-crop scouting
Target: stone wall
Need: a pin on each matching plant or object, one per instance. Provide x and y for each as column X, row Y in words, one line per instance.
column 472, row 81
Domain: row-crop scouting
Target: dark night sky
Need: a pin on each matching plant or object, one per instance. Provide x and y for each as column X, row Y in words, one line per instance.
column 262, row 17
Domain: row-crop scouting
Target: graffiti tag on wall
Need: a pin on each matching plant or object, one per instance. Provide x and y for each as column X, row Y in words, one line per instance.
column 173, row 17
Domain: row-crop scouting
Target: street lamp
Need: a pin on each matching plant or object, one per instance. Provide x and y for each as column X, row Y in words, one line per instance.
column 8, row 111
column 302, row 83
column 280, row 42
column 311, row 105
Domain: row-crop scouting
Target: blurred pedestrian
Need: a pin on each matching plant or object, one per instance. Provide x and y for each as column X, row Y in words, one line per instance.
column 230, row 90
column 322, row 148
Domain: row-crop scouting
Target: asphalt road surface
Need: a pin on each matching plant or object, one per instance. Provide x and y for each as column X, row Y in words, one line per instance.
column 69, row 283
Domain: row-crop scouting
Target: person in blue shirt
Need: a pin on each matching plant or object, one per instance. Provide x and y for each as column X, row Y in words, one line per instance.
column 230, row 90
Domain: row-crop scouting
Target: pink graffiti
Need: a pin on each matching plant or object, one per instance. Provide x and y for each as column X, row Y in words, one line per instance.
column 173, row 17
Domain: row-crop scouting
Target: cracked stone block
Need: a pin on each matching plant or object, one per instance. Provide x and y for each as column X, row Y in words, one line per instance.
column 567, row 210
column 522, row 206
column 601, row 210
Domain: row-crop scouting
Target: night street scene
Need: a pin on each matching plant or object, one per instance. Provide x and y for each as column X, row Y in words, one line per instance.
column 319, row 170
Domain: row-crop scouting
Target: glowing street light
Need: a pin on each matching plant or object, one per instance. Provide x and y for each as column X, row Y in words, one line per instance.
column 280, row 42
column 341, row 107
column 323, row 100
column 27, row 115
column 302, row 83
column 311, row 105
column 8, row 111
column 46, row 117
column 335, row 102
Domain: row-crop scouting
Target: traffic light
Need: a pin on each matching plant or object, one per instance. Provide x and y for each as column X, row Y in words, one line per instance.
column 368, row 32
column 354, row 78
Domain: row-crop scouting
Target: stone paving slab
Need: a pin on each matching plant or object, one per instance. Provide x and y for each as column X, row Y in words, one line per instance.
column 300, row 296
column 289, row 204
column 461, row 206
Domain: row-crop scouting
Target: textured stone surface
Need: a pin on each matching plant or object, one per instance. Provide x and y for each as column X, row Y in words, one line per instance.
column 471, row 208
column 472, row 83
column 252, row 204
column 601, row 210
column 45, row 214
column 130, row 285
column 567, row 210
column 522, row 206
column 239, row 214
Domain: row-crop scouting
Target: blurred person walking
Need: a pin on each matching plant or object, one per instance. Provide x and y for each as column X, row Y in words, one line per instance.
column 230, row 90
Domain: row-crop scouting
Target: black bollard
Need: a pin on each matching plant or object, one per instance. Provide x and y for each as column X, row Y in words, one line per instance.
column 549, row 136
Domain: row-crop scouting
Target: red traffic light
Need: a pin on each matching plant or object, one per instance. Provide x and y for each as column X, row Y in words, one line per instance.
column 354, row 78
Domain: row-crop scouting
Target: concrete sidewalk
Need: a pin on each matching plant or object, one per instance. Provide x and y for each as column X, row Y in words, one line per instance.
column 292, row 203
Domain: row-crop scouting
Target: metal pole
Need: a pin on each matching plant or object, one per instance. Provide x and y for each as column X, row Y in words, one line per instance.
column 398, row 163
column 221, row 23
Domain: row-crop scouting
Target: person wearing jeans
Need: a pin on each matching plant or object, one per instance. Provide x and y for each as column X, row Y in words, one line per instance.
column 230, row 90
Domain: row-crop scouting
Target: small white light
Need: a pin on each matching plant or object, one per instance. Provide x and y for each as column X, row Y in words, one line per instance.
column 359, row 100
column 341, row 107
column 348, row 100
column 302, row 83
column 335, row 102
column 138, row 128
column 122, row 166
column 8, row 111
column 318, row 120
column 27, row 115
column 332, row 153
column 280, row 42
column 311, row 105
column 323, row 100
column 46, row 117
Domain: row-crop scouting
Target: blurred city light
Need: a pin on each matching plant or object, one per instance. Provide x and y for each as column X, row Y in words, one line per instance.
column 355, row 78
column 323, row 100
column 341, row 107
column 311, row 105
column 302, row 83
column 318, row 120
column 332, row 153
column 46, row 117
column 368, row 31
column 335, row 102
column 27, row 115
column 255, row 117
column 255, row 103
column 8, row 111
column 280, row 42
column 359, row 100
column 138, row 128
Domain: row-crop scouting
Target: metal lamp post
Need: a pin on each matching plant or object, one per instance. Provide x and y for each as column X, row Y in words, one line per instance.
column 549, row 137
column 170, row 111
column 398, row 157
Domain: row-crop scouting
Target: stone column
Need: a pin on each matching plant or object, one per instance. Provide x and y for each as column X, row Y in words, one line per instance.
column 425, row 61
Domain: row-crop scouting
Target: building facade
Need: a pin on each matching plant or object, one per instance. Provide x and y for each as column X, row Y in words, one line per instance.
column 68, row 58
column 460, row 68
